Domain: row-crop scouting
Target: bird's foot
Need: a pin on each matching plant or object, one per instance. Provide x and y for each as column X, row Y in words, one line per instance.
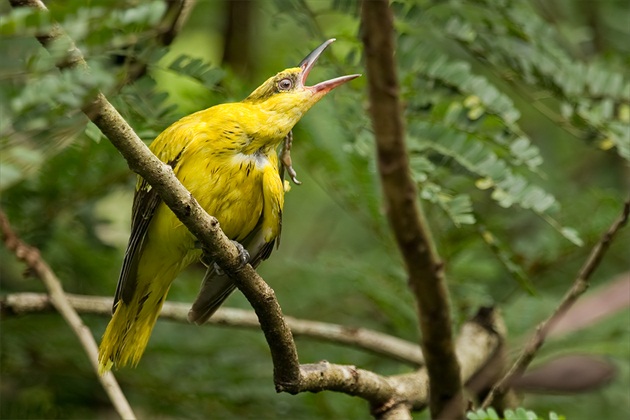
column 243, row 257
column 285, row 159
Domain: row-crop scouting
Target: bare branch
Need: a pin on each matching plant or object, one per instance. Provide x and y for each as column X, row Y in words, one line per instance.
column 373, row 341
column 425, row 270
column 32, row 258
column 324, row 376
column 613, row 297
column 203, row 226
column 580, row 285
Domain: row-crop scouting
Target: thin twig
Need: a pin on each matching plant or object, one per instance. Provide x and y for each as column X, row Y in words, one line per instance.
column 579, row 286
column 362, row 338
column 42, row 270
column 424, row 268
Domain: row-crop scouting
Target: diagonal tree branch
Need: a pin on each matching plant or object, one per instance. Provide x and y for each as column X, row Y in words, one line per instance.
column 579, row 286
column 32, row 258
column 424, row 268
column 362, row 338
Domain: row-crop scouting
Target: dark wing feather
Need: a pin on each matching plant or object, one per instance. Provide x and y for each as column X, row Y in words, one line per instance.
column 215, row 287
column 145, row 202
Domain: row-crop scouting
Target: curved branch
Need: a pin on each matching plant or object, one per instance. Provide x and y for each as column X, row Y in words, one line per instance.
column 373, row 341
column 579, row 286
column 424, row 268
column 32, row 258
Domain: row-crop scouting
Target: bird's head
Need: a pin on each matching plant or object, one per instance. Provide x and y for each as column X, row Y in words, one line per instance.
column 287, row 92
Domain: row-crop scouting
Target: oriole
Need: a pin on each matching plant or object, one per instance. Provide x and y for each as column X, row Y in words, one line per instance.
column 226, row 156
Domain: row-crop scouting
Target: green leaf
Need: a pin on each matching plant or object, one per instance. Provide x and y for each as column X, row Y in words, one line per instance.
column 197, row 69
column 509, row 188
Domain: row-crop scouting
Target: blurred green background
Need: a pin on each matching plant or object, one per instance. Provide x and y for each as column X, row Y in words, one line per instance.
column 517, row 116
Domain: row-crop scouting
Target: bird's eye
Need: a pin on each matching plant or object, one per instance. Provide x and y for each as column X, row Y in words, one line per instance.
column 285, row 84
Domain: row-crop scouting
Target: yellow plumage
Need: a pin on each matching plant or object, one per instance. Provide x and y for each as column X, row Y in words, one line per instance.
column 226, row 157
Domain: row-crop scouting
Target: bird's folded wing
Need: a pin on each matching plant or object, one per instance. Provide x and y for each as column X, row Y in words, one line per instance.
column 216, row 287
column 145, row 202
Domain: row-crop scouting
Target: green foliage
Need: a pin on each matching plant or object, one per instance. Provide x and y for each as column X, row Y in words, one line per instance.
column 196, row 69
column 518, row 414
column 591, row 99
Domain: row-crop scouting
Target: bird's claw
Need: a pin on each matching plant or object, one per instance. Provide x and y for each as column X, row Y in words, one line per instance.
column 285, row 159
column 243, row 257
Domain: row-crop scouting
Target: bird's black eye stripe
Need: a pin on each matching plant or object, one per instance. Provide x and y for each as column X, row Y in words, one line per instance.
column 285, row 84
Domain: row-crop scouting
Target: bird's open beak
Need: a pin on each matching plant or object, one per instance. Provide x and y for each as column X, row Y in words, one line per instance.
column 307, row 64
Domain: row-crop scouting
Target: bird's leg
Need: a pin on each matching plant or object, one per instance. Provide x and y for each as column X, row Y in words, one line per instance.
column 285, row 159
column 243, row 257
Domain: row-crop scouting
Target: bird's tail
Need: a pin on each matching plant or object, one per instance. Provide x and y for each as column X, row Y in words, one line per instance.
column 128, row 332
column 215, row 288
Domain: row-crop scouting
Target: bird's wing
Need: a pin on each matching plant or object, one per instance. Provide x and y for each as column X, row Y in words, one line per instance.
column 216, row 287
column 145, row 202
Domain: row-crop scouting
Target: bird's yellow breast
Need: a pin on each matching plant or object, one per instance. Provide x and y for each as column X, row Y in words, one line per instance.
column 220, row 155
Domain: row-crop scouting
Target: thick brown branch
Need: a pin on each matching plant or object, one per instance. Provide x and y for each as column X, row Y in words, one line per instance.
column 425, row 271
column 324, row 376
column 32, row 258
column 579, row 286
column 205, row 227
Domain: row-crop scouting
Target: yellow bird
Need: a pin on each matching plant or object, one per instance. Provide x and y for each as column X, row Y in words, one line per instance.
column 226, row 156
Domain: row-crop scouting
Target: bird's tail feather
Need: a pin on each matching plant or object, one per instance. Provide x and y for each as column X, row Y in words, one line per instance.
column 128, row 332
column 215, row 288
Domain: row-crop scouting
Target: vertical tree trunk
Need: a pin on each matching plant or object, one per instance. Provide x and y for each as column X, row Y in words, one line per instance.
column 237, row 37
